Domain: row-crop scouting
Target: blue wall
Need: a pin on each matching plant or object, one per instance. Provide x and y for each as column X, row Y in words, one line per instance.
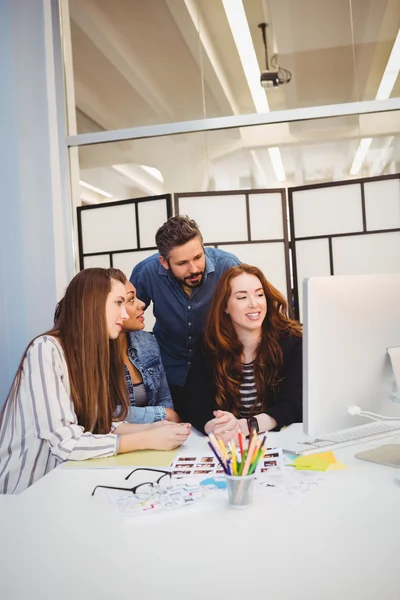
column 27, row 245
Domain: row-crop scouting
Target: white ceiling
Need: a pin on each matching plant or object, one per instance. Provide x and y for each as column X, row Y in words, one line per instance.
column 143, row 62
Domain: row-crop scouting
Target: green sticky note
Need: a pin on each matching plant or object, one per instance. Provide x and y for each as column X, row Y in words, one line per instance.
column 319, row 465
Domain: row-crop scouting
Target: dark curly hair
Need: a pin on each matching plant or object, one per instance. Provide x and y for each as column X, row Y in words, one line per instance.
column 175, row 232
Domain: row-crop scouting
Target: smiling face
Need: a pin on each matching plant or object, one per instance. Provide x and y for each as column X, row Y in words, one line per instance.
column 247, row 305
column 115, row 309
column 134, row 308
column 187, row 263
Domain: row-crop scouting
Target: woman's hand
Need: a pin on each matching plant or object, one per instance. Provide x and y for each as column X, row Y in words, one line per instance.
column 172, row 415
column 165, row 435
column 224, row 425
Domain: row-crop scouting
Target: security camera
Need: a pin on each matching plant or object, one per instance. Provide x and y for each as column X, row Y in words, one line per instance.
column 269, row 79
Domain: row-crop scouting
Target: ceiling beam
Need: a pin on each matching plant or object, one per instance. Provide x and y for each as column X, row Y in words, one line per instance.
column 193, row 28
column 110, row 43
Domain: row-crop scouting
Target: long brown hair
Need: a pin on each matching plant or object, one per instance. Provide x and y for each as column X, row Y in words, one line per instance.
column 95, row 363
column 225, row 348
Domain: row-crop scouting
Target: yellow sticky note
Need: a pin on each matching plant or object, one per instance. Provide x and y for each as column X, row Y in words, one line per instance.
column 315, row 462
column 329, row 456
column 336, row 466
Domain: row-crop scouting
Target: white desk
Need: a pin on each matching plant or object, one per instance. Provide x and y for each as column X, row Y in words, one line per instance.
column 341, row 541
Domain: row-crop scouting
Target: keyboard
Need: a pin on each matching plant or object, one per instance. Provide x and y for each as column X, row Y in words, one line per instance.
column 363, row 431
column 347, row 437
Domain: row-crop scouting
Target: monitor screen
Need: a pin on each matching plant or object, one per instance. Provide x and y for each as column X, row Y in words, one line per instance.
column 349, row 323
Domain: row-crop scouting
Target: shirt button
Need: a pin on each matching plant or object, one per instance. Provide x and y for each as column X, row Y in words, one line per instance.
column 189, row 307
column 190, row 350
column 190, row 337
column 189, row 324
column 189, row 363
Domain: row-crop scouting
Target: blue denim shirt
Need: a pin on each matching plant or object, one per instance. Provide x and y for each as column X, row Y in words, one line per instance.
column 144, row 354
column 180, row 319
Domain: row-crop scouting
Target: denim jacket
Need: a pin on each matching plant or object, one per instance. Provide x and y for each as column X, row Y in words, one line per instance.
column 144, row 354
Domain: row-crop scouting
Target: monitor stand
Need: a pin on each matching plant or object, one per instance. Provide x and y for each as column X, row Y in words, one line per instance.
column 389, row 454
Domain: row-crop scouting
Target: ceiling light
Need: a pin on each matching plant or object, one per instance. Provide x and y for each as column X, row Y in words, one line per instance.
column 360, row 155
column 276, row 160
column 237, row 20
column 141, row 177
column 385, row 89
column 260, row 176
column 94, row 189
column 383, row 155
column 153, row 172
column 391, row 72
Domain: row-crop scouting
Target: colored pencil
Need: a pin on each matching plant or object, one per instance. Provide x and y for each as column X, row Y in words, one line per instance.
column 218, row 458
column 259, row 445
column 222, row 446
column 242, row 462
column 249, row 456
column 214, row 442
column 233, row 457
column 261, row 454
column 240, row 437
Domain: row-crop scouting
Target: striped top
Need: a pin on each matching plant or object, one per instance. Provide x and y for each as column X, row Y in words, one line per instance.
column 140, row 394
column 40, row 428
column 248, row 391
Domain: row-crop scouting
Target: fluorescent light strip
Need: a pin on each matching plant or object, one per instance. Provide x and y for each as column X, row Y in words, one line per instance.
column 95, row 189
column 361, row 153
column 141, row 178
column 391, row 72
column 383, row 156
column 386, row 86
column 237, row 20
column 153, row 172
column 260, row 175
column 277, row 163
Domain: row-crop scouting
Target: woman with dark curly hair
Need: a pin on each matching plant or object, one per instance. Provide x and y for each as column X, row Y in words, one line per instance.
column 248, row 372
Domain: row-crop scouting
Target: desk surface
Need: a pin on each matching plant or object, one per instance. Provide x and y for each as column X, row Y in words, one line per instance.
column 340, row 541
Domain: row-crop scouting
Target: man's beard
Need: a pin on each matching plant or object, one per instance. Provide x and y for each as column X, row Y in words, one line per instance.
column 188, row 281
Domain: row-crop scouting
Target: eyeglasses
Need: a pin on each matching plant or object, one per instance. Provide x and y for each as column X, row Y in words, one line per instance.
column 147, row 488
column 154, row 496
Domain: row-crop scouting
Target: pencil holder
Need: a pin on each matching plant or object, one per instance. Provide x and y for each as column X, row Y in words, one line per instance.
column 240, row 490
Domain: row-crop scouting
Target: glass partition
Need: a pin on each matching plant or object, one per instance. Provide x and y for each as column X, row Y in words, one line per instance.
column 258, row 157
column 146, row 62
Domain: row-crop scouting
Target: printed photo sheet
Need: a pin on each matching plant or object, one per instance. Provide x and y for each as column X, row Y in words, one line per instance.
column 189, row 464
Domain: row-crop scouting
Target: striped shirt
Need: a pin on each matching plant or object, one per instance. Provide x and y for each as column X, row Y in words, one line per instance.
column 248, row 391
column 140, row 394
column 40, row 428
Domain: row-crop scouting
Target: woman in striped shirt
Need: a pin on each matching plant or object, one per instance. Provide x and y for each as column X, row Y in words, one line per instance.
column 69, row 398
column 248, row 373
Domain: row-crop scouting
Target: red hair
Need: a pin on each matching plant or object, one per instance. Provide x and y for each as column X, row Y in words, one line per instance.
column 222, row 342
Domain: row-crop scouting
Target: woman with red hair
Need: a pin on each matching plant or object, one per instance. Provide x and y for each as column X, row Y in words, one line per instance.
column 248, row 372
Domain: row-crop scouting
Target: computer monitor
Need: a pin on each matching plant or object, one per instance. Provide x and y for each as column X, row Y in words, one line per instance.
column 349, row 322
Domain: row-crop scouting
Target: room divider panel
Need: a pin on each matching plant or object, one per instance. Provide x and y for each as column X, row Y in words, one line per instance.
column 250, row 223
column 344, row 228
column 341, row 228
column 121, row 234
